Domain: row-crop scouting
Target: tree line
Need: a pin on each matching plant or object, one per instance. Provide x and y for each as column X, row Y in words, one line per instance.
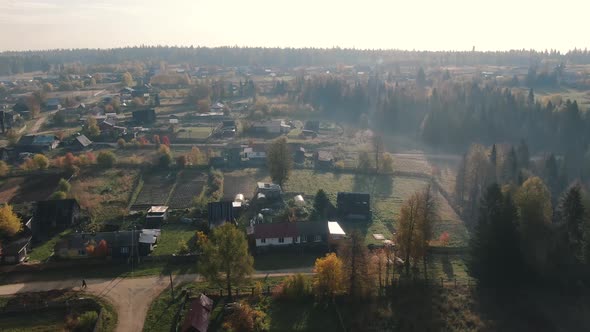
column 18, row 62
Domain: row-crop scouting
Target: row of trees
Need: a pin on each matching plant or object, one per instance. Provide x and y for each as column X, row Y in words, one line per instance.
column 19, row 62
column 515, row 237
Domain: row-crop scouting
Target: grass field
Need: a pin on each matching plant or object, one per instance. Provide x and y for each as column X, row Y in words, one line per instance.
column 172, row 235
column 105, row 194
column 194, row 132
column 387, row 196
column 42, row 251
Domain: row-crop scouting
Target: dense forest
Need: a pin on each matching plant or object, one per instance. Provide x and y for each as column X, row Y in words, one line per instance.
column 18, row 62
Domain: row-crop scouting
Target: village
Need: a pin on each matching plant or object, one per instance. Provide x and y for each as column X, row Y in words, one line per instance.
column 124, row 186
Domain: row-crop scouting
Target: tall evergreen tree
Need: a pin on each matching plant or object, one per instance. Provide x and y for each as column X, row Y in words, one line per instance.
column 491, row 261
column 523, row 155
column 571, row 214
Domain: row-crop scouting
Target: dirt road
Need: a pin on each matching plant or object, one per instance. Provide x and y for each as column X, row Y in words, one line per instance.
column 131, row 297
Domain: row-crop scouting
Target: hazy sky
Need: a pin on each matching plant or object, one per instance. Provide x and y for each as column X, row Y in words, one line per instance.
column 410, row 24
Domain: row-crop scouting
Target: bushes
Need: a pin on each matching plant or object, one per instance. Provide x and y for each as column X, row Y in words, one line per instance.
column 295, row 287
column 215, row 185
column 106, row 159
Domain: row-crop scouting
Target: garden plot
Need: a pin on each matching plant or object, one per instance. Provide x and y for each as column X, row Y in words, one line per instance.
column 190, row 184
column 156, row 189
column 105, row 194
column 242, row 182
column 33, row 188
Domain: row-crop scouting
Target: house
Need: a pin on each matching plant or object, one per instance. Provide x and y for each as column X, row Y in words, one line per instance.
column 53, row 104
column 292, row 233
column 274, row 126
column 197, row 317
column 121, row 244
column 354, row 205
column 15, row 250
column 108, row 127
column 54, row 215
column 37, row 143
column 144, row 116
column 279, row 234
column 156, row 215
column 268, row 190
column 255, row 154
column 312, row 232
column 323, row 159
column 81, row 142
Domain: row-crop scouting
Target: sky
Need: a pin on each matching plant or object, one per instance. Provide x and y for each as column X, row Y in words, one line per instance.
column 373, row 24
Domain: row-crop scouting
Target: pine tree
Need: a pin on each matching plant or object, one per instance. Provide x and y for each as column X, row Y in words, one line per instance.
column 571, row 214
column 523, row 155
column 491, row 261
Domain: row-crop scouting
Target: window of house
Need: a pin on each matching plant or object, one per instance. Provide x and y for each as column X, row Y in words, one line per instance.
column 125, row 250
column 281, row 240
column 317, row 238
column 303, row 238
column 262, row 240
column 81, row 252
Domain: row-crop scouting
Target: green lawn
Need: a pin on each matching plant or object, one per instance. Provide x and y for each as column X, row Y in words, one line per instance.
column 41, row 252
column 172, row 235
column 194, row 132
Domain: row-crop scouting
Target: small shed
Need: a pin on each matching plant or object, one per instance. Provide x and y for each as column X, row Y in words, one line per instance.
column 156, row 215
column 197, row 317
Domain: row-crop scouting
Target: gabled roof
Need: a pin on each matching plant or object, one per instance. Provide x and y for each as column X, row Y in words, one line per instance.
column 83, row 140
column 197, row 317
column 275, row 230
column 158, row 209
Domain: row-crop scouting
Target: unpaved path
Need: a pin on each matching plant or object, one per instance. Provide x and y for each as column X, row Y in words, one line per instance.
column 131, row 297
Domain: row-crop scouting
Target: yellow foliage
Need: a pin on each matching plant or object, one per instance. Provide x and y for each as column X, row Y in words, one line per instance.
column 10, row 223
column 329, row 275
